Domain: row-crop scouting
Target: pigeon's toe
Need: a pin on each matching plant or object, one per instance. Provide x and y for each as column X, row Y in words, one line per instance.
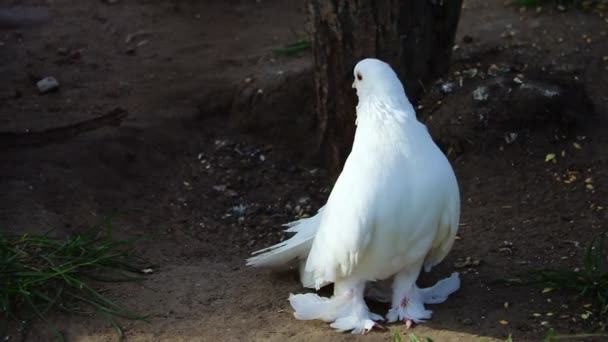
column 412, row 312
column 356, row 324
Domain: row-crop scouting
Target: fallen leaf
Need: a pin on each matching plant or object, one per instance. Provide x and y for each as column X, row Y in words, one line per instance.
column 503, row 322
column 547, row 290
column 576, row 145
column 549, row 157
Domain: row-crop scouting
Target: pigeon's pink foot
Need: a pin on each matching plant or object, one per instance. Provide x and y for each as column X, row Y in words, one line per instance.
column 407, row 321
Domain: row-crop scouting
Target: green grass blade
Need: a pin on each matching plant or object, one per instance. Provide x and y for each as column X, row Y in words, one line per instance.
column 40, row 274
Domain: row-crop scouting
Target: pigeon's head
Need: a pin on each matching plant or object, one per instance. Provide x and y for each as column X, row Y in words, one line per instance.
column 374, row 78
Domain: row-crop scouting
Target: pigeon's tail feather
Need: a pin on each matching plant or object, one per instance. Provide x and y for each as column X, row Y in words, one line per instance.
column 297, row 247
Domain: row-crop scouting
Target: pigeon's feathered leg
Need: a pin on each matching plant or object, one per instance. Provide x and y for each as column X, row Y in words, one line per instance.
column 408, row 299
column 346, row 308
column 407, row 304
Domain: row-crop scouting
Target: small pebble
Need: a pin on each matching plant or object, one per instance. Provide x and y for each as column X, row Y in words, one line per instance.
column 480, row 94
column 47, row 84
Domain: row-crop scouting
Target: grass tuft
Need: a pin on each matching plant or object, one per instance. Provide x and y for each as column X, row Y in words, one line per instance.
column 591, row 281
column 40, row 274
column 415, row 338
column 293, row 49
column 396, row 337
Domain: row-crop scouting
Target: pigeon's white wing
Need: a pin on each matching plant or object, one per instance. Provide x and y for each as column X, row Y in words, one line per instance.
column 448, row 224
column 347, row 224
column 442, row 244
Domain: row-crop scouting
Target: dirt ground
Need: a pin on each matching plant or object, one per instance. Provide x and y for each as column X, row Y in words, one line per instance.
column 214, row 156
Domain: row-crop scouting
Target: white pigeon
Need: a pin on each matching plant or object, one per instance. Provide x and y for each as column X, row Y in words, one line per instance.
column 394, row 209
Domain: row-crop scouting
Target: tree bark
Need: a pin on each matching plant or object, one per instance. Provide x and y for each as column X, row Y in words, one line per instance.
column 414, row 36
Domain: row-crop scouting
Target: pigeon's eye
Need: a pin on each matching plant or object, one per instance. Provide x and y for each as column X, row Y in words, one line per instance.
column 359, row 77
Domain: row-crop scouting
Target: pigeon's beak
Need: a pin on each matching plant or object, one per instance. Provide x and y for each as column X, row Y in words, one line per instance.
column 354, row 86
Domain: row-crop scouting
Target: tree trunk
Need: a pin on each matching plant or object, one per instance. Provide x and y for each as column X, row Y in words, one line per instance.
column 414, row 36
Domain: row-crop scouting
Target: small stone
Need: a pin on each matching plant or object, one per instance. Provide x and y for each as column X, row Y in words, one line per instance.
column 468, row 262
column 304, row 200
column 47, row 84
column 448, row 87
column 471, row 73
column 219, row 188
column 142, row 43
column 239, row 209
column 510, row 137
column 480, row 94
